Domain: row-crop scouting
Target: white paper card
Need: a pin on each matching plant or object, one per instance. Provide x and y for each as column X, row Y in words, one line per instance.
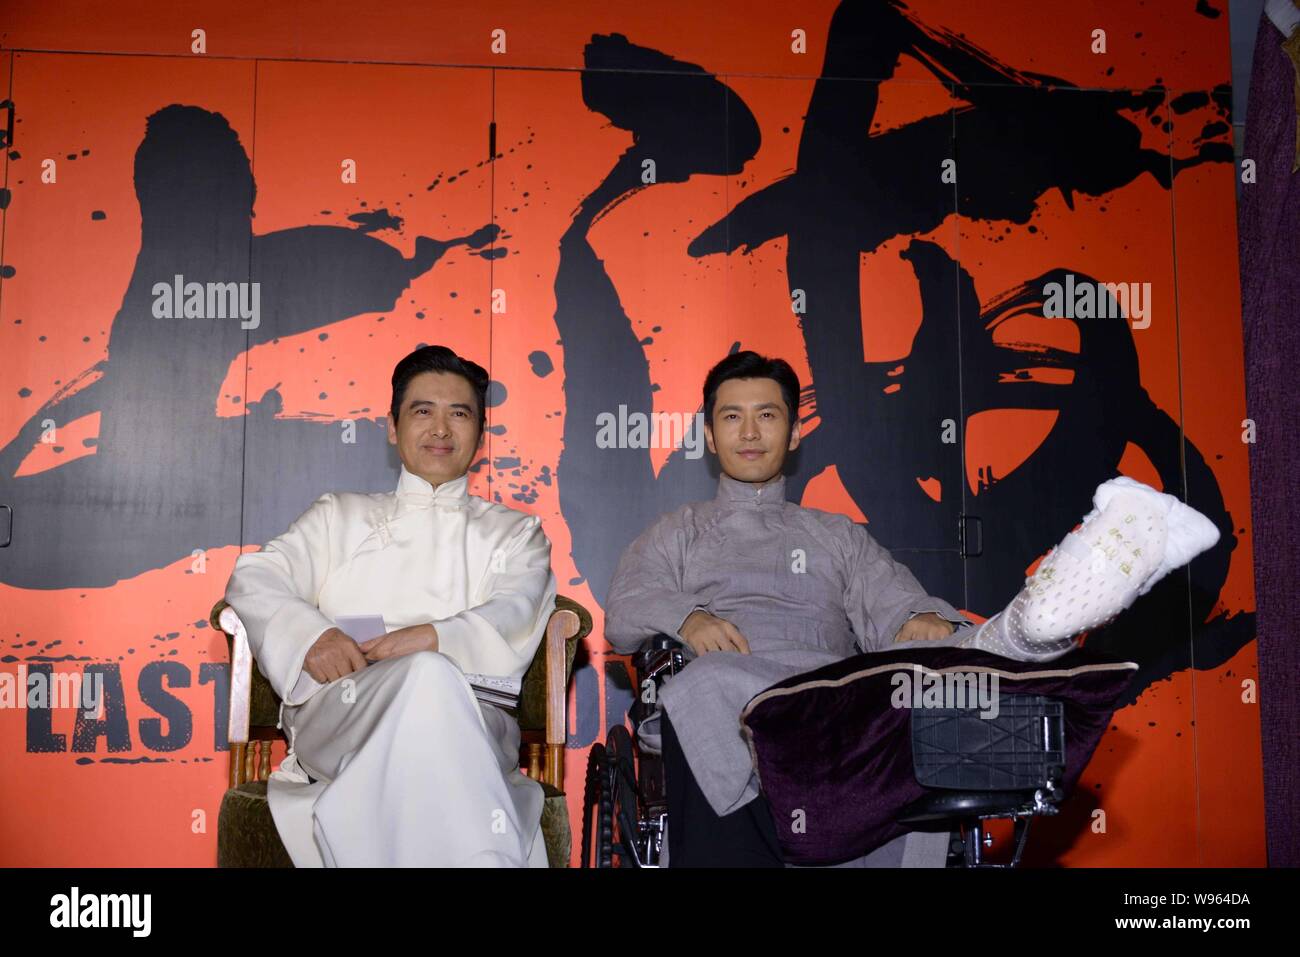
column 361, row 627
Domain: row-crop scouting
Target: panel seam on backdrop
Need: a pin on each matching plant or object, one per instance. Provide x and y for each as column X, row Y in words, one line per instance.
column 248, row 334
column 961, row 363
column 1185, row 572
column 523, row 68
column 8, row 148
column 492, row 243
column 727, row 285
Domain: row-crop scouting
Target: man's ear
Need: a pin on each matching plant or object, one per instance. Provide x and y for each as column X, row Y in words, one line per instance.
column 392, row 431
column 708, row 438
column 794, row 436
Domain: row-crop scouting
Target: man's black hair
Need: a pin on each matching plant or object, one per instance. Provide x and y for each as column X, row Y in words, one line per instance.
column 750, row 365
column 439, row 359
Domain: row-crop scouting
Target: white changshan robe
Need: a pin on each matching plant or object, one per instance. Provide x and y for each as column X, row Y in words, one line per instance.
column 410, row 768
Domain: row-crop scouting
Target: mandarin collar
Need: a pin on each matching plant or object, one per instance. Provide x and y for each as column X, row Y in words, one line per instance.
column 415, row 492
column 734, row 492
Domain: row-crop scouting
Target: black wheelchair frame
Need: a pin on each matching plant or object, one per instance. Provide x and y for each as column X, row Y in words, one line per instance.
column 976, row 771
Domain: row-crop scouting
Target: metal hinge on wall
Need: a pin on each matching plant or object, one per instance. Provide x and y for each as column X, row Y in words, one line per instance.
column 970, row 535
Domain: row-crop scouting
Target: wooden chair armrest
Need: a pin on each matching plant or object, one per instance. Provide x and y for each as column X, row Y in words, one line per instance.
column 241, row 675
column 562, row 626
column 244, row 764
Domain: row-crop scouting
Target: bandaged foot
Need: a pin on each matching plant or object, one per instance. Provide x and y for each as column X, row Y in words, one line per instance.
column 1133, row 537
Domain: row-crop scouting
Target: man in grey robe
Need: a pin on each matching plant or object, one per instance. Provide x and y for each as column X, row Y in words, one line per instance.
column 761, row 589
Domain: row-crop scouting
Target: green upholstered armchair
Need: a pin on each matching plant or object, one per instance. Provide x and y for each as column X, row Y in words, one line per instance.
column 246, row 834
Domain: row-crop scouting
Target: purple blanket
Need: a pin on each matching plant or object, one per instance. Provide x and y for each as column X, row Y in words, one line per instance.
column 833, row 747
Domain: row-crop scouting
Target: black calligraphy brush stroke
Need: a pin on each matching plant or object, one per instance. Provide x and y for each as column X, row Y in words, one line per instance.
column 1023, row 136
column 373, row 220
column 109, row 516
column 168, row 474
column 686, row 122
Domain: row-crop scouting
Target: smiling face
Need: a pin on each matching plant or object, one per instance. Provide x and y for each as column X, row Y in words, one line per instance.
column 750, row 432
column 437, row 429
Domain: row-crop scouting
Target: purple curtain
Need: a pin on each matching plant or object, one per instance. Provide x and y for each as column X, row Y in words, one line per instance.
column 1269, row 231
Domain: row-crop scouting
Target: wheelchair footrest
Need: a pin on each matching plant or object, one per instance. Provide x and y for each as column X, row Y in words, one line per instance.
column 961, row 805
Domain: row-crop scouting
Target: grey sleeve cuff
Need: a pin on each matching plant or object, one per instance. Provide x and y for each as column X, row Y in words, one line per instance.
column 930, row 605
column 677, row 632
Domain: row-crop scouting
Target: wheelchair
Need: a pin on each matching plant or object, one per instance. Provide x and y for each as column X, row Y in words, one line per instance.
column 972, row 780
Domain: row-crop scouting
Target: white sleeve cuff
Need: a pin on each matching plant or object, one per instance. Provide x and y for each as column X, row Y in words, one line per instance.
column 295, row 627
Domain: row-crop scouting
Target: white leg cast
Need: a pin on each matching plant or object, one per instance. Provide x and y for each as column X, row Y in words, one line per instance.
column 1133, row 537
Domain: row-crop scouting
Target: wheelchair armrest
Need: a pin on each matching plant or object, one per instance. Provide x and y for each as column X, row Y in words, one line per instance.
column 659, row 643
column 657, row 654
column 656, row 660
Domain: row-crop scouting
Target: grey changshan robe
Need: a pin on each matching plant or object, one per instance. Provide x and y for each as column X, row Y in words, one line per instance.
column 805, row 588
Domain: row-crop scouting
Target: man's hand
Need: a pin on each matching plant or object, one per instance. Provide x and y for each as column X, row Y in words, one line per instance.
column 926, row 626
column 705, row 633
column 403, row 641
column 333, row 655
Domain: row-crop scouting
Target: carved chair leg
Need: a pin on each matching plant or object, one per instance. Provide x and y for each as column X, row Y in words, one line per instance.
column 554, row 774
column 264, row 763
column 237, row 763
column 535, row 761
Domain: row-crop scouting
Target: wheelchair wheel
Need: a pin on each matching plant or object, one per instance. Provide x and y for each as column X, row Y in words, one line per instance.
column 593, row 820
column 611, row 808
column 625, row 805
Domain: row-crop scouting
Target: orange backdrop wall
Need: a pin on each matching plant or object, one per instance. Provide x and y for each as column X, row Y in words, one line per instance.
column 879, row 193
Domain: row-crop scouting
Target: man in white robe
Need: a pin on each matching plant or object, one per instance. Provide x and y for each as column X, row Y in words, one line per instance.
column 392, row 760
